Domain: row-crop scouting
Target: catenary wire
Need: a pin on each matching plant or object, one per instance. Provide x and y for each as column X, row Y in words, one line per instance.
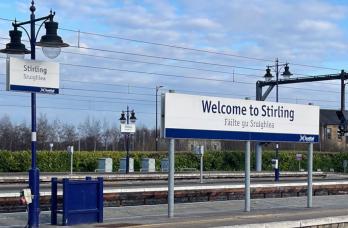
column 234, row 73
column 170, row 75
column 69, row 108
column 183, row 48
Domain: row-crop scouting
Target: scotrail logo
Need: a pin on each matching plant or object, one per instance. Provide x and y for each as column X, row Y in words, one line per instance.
column 305, row 138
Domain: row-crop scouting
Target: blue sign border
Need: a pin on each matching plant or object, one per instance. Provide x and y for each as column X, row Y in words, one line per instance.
column 33, row 89
column 239, row 135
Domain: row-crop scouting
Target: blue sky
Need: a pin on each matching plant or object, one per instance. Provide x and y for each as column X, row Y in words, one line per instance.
column 308, row 32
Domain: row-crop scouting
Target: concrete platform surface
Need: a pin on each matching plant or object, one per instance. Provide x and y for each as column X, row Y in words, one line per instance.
column 274, row 212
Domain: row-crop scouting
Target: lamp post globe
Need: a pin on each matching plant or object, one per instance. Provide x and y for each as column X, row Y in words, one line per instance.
column 123, row 118
column 286, row 74
column 132, row 118
column 51, row 43
column 268, row 76
column 15, row 48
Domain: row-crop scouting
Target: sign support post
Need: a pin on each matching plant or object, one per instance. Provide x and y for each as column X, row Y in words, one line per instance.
column 310, row 175
column 247, row 176
column 201, row 169
column 258, row 157
column 171, row 178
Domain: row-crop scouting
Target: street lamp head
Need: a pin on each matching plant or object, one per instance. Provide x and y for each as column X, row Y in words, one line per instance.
column 123, row 118
column 132, row 117
column 15, row 47
column 268, row 76
column 51, row 43
column 286, row 74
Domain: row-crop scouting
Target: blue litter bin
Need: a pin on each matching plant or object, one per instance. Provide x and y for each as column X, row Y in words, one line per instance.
column 82, row 201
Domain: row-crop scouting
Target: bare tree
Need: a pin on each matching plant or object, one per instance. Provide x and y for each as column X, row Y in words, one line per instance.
column 115, row 136
column 91, row 131
column 69, row 134
column 22, row 137
column 105, row 134
column 6, row 133
column 43, row 129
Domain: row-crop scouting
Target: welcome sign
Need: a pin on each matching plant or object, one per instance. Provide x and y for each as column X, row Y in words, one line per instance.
column 32, row 76
column 190, row 116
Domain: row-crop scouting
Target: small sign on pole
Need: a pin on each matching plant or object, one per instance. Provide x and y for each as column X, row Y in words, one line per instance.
column 345, row 165
column 128, row 128
column 70, row 150
column 299, row 159
column 199, row 150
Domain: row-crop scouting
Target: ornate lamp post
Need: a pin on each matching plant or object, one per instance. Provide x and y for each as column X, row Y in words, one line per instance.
column 51, row 45
column 268, row 77
column 127, row 121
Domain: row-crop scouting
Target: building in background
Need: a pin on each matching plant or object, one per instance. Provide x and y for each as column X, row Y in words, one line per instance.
column 329, row 139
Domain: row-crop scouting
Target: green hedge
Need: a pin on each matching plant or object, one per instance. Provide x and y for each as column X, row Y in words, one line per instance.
column 219, row 161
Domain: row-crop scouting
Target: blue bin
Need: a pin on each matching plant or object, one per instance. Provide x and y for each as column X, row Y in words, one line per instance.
column 82, row 201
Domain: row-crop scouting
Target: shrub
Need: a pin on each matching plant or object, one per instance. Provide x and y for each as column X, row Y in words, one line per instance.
column 59, row 161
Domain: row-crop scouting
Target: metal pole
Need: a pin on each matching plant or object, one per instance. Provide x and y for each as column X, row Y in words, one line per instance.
column 277, row 78
column 171, row 178
column 201, row 170
column 342, row 91
column 258, row 145
column 310, row 175
column 247, row 176
column 34, row 173
column 156, row 119
column 258, row 157
column 276, row 170
column 71, row 163
column 127, row 143
column 157, row 88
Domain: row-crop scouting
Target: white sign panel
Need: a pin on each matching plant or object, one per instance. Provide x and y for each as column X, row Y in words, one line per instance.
column 32, row 76
column 70, row 149
column 127, row 128
column 190, row 116
column 199, row 150
column 298, row 157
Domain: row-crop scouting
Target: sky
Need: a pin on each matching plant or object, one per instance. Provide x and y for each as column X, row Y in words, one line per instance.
column 120, row 51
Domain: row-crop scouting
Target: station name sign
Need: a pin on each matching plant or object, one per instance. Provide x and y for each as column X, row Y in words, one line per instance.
column 32, row 76
column 190, row 116
column 128, row 128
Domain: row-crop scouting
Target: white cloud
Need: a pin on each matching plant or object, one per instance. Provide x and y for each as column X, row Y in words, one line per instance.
column 202, row 23
column 317, row 26
column 311, row 32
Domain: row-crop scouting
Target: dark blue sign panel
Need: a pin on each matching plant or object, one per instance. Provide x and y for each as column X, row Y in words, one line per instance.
column 243, row 136
column 34, row 89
